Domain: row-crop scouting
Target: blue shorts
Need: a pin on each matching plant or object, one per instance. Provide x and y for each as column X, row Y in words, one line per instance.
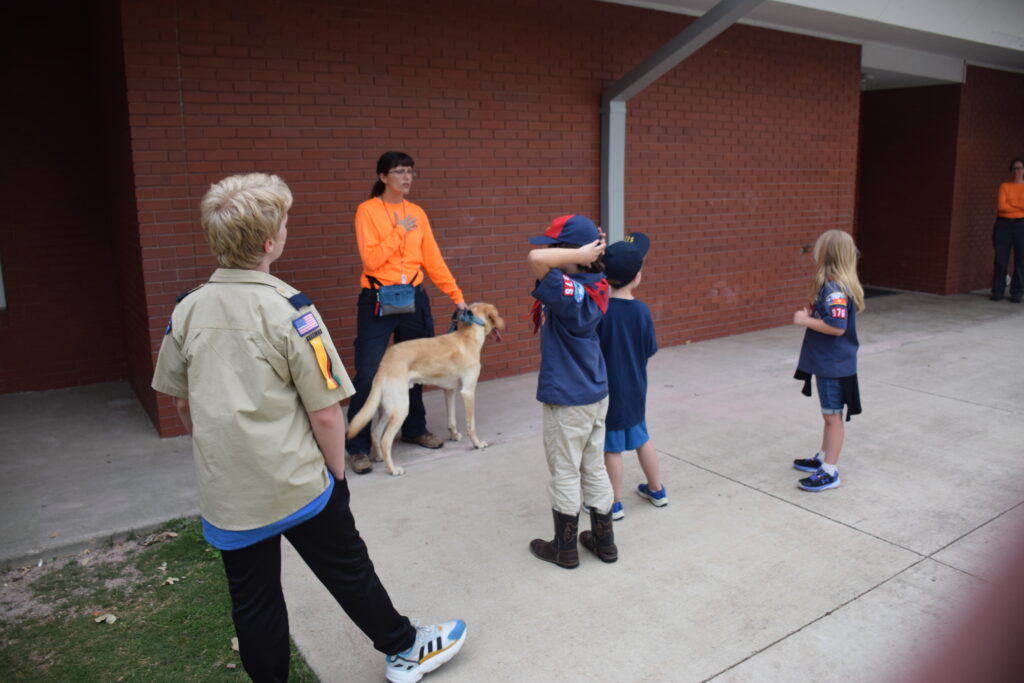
column 619, row 440
column 830, row 395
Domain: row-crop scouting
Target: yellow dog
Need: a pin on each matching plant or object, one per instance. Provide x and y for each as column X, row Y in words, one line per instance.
column 451, row 361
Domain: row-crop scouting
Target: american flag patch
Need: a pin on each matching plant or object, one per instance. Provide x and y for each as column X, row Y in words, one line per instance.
column 306, row 324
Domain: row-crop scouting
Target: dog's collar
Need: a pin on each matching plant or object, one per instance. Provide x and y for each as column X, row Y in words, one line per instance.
column 464, row 315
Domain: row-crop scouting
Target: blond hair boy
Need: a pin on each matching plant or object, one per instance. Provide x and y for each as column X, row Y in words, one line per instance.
column 256, row 381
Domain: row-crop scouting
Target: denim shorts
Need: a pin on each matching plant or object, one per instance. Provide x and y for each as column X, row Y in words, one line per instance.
column 830, row 395
column 619, row 440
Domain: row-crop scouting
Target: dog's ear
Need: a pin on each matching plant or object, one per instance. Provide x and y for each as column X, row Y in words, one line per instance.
column 496, row 320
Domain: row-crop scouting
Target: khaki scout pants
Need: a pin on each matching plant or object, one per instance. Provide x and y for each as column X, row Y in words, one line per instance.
column 574, row 446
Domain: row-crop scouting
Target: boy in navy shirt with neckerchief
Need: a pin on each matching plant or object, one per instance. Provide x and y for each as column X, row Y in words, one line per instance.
column 571, row 298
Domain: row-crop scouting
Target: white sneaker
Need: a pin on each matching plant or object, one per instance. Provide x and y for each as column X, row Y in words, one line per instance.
column 434, row 645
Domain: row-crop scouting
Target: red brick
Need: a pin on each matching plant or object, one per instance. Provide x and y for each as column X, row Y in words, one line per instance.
column 735, row 158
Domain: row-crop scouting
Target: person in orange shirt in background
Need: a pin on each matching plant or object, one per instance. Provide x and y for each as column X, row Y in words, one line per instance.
column 1008, row 233
column 396, row 246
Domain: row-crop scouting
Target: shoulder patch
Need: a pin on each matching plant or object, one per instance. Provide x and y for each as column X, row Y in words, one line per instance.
column 567, row 286
column 836, row 299
column 181, row 296
column 306, row 324
column 295, row 298
column 572, row 288
column 299, row 300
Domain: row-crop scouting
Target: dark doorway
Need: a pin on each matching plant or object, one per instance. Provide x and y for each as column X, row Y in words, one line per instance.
column 62, row 72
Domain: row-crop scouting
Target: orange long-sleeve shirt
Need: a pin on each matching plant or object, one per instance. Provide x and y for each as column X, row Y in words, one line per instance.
column 1011, row 200
column 388, row 250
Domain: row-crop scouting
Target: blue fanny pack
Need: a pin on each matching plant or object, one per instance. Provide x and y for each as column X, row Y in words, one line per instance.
column 394, row 299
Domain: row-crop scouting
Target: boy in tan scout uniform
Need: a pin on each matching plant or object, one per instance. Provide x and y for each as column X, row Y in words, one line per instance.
column 257, row 381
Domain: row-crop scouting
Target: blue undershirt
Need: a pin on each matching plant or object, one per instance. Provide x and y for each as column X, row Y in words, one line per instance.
column 223, row 539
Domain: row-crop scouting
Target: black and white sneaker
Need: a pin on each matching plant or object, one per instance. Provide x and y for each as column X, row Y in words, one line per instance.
column 809, row 464
column 819, row 481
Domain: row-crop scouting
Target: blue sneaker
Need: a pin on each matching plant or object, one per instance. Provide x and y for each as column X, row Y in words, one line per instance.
column 434, row 645
column 809, row 464
column 819, row 481
column 657, row 498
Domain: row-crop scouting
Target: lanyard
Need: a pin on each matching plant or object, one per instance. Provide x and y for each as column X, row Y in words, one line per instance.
column 395, row 225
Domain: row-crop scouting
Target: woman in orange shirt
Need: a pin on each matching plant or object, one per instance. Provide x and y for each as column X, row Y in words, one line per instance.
column 1008, row 233
column 396, row 245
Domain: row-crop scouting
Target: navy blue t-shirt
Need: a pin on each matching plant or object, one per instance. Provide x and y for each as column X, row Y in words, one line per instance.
column 572, row 370
column 627, row 341
column 825, row 355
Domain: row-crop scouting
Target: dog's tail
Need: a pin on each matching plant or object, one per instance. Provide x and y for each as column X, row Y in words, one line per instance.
column 366, row 413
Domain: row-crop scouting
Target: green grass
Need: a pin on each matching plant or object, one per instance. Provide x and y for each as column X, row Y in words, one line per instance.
column 164, row 632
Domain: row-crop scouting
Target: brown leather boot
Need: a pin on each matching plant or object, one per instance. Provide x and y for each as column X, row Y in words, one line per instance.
column 601, row 541
column 562, row 549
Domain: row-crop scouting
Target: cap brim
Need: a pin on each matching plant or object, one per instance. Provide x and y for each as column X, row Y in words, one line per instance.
column 541, row 239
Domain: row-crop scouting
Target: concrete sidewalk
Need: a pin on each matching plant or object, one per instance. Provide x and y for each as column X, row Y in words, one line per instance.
column 743, row 577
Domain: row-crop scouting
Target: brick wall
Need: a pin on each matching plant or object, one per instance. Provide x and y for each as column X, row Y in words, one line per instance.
column 63, row 324
column 990, row 134
column 908, row 158
column 735, row 160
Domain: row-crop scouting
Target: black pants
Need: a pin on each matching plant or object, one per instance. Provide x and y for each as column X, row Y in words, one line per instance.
column 373, row 333
column 331, row 546
column 1007, row 234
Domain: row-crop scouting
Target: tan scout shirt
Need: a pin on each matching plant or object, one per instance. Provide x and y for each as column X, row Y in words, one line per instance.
column 250, row 379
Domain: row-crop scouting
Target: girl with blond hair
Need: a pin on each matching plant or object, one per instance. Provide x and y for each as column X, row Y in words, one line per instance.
column 829, row 350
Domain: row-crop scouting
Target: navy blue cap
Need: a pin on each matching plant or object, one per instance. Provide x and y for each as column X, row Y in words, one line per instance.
column 623, row 260
column 573, row 229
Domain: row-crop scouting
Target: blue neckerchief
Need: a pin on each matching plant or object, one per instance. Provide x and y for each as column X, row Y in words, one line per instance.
column 464, row 315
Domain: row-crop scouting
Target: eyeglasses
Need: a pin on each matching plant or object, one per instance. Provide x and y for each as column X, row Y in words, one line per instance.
column 1018, row 168
column 411, row 172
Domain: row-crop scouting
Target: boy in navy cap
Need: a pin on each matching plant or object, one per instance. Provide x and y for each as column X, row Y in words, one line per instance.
column 571, row 297
column 627, row 341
